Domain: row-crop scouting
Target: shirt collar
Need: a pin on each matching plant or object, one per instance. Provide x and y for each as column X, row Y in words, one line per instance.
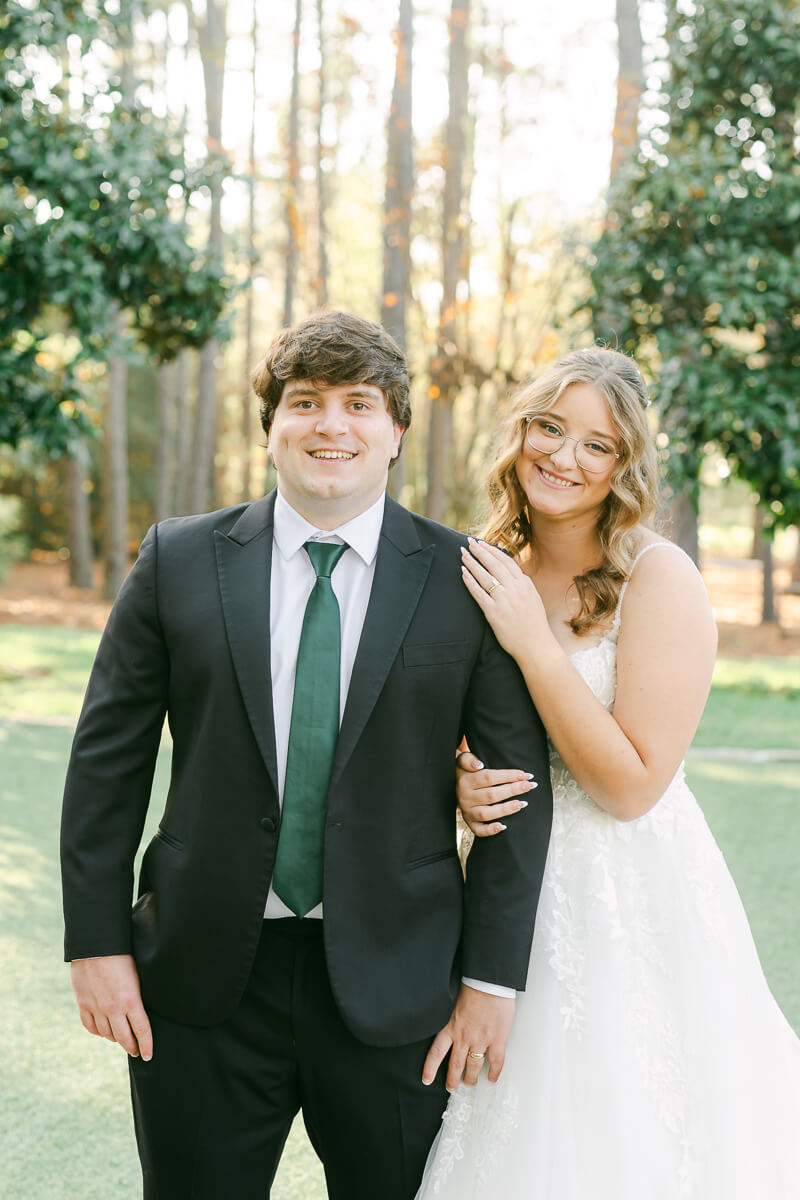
column 291, row 531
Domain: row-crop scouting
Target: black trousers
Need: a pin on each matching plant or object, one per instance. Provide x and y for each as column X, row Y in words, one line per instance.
column 214, row 1107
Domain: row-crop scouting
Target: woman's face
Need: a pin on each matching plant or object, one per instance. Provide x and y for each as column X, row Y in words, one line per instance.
column 554, row 481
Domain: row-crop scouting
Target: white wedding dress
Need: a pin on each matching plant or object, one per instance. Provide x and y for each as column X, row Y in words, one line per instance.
column 648, row 1059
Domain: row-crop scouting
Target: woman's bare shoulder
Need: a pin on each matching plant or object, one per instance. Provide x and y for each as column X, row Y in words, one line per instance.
column 665, row 577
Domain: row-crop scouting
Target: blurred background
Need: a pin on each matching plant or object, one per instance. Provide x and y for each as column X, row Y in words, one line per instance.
column 496, row 183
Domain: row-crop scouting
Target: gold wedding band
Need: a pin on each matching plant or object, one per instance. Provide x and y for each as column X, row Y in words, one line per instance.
column 477, row 1054
column 495, row 583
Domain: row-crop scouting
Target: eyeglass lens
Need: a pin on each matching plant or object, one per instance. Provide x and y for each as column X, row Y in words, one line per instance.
column 590, row 453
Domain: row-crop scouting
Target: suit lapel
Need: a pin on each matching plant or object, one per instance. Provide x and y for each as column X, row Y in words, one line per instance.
column 244, row 563
column 401, row 569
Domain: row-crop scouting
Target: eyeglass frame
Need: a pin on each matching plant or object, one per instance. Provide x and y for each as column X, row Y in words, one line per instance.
column 564, row 438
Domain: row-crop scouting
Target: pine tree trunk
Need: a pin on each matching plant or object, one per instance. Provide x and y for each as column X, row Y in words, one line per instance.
column 200, row 494
column 399, row 185
column 211, row 38
column 293, row 173
column 246, row 425
column 165, row 446
column 321, row 277
column 79, row 525
column 762, row 550
column 116, row 470
column 629, row 82
column 444, row 381
column 396, row 292
column 682, row 521
column 183, row 425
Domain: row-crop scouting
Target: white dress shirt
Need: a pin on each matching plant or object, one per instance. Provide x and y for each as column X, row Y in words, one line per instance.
column 291, row 582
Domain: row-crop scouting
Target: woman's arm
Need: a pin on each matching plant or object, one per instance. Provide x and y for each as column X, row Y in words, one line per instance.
column 665, row 657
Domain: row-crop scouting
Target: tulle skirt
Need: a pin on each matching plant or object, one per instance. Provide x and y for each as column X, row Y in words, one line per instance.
column 648, row 1059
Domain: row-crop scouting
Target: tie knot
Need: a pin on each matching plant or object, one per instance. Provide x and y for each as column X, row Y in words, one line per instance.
column 324, row 557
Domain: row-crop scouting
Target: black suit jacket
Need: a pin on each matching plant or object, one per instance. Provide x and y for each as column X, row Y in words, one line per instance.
column 189, row 637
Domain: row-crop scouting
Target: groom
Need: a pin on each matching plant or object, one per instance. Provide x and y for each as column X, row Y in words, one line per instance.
column 302, row 930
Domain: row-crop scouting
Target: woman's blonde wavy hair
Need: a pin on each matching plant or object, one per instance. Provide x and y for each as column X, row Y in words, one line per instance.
column 634, row 481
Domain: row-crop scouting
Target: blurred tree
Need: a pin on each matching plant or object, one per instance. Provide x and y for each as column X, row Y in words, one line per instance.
column 115, row 410
column 79, row 525
column 629, row 82
column 696, row 271
column 92, row 256
column 251, row 252
column 321, row 274
column 87, row 226
column 211, row 35
column 399, row 191
column 398, row 195
column 444, row 376
column 293, row 173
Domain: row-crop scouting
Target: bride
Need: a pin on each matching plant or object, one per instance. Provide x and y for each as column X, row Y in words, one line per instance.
column 648, row 1059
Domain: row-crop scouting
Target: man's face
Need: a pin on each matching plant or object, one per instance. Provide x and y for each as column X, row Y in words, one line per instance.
column 331, row 447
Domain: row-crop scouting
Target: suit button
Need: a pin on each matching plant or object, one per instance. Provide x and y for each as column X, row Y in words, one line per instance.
column 268, row 823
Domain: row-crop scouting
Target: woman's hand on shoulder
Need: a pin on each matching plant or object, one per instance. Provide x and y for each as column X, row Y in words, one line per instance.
column 506, row 596
column 486, row 796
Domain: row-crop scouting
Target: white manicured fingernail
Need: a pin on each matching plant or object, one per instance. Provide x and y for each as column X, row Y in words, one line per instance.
column 479, row 766
column 523, row 803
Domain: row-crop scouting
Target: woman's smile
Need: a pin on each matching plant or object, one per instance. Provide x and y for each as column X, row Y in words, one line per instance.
column 553, row 480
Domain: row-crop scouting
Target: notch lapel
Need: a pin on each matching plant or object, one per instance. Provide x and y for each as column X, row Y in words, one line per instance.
column 401, row 570
column 244, row 563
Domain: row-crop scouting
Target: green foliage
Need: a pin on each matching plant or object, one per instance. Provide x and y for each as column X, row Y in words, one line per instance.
column 94, row 217
column 697, row 271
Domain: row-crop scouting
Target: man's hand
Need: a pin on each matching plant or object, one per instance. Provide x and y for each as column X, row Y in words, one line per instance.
column 479, row 1023
column 110, row 1002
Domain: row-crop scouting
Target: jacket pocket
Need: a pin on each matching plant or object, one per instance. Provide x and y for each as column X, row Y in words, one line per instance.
column 426, row 861
column 434, row 654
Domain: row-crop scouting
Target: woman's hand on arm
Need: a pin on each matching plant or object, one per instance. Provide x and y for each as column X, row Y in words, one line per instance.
column 486, row 796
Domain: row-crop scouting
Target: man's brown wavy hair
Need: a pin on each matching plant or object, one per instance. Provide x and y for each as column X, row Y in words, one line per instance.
column 333, row 348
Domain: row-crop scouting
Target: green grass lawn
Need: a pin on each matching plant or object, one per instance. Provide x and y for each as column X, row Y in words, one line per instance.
column 65, row 1131
column 43, row 672
column 65, row 1128
column 754, row 703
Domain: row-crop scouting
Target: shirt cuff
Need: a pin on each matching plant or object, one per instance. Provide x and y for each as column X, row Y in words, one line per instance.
column 491, row 989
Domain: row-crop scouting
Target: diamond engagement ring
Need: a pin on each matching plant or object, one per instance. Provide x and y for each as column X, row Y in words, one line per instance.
column 495, row 583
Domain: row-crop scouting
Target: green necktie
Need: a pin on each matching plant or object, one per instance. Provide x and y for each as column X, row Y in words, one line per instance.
column 312, row 740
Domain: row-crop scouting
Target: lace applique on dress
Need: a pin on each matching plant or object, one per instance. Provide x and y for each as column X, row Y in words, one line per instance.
column 486, row 1127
